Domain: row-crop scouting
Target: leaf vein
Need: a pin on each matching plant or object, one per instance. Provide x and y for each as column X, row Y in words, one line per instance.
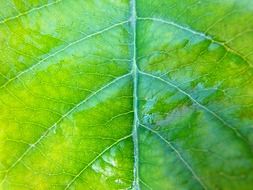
column 198, row 33
column 61, row 50
column 178, row 154
column 225, row 123
column 29, row 11
column 54, row 126
column 95, row 159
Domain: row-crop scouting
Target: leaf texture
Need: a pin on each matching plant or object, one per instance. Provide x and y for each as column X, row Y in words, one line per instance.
column 116, row 94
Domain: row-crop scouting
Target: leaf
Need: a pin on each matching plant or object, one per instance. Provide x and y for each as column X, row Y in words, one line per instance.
column 113, row 94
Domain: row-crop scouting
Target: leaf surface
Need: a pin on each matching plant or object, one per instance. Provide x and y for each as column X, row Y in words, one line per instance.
column 117, row 94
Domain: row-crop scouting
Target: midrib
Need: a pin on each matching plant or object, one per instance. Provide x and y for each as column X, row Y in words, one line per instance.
column 135, row 95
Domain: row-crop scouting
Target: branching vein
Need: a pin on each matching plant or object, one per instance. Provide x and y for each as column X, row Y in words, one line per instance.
column 29, row 69
column 208, row 37
column 178, row 154
column 225, row 123
column 95, row 159
column 56, row 124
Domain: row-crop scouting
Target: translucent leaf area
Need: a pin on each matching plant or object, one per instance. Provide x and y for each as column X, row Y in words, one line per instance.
column 126, row 94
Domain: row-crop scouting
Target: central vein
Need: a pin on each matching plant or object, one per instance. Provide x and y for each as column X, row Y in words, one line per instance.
column 135, row 96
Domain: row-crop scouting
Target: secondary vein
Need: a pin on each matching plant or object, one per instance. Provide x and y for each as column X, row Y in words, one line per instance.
column 201, row 34
column 69, row 45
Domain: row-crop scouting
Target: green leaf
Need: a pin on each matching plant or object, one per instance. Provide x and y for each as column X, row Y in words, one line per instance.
column 117, row 94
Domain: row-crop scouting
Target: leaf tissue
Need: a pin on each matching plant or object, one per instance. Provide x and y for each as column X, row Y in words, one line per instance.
column 126, row 94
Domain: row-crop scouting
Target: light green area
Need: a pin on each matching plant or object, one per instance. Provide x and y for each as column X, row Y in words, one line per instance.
column 117, row 94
